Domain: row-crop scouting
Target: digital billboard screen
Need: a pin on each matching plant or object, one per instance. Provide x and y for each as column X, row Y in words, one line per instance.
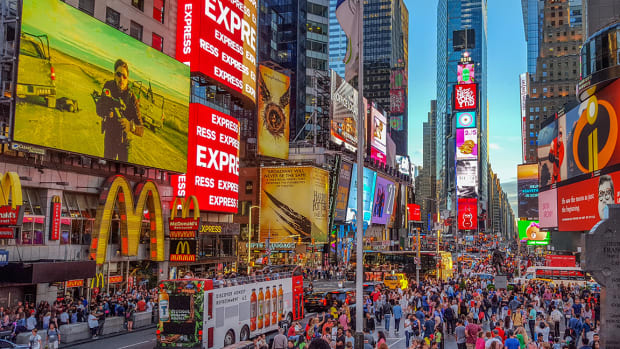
column 343, row 112
column 342, row 196
column 370, row 177
column 465, row 97
column 548, row 208
column 87, row 88
column 550, row 154
column 294, row 201
column 398, row 79
column 530, row 232
column 414, row 212
column 465, row 73
column 466, row 119
column 467, row 144
column 218, row 38
column 467, row 178
column 467, row 213
column 527, row 190
column 403, row 164
column 397, row 101
column 378, row 133
column 273, row 113
column 384, row 200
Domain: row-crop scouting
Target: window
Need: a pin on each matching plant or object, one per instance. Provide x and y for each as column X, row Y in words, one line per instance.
column 249, row 187
column 159, row 10
column 531, row 117
column 531, row 126
column 135, row 30
column 112, row 18
column 87, row 6
column 139, row 4
column 158, row 42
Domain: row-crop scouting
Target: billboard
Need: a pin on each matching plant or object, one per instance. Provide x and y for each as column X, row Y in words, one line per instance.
column 398, row 79
column 467, row 144
column 274, row 90
column 213, row 153
column 403, row 164
column 378, row 140
column 397, row 123
column 344, row 110
column 414, row 212
column 465, row 97
column 369, row 191
column 550, row 154
column 467, row 213
column 465, row 73
column 342, row 196
column 527, row 190
column 530, row 232
column 467, row 178
column 383, row 204
column 523, row 89
column 294, row 201
column 397, row 101
column 119, row 99
column 218, row 39
column 466, row 119
column 548, row 208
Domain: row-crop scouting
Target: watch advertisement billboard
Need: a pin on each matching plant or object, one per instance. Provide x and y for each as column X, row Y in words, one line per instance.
column 218, row 38
column 213, row 165
column 530, row 232
column 527, row 190
column 342, row 196
column 467, row 213
column 550, row 154
column 92, row 89
column 273, row 113
column 466, row 143
column 383, row 201
column 467, row 178
column 465, row 73
column 465, row 97
column 370, row 177
column 378, row 140
column 548, row 208
column 466, row 119
column 294, row 202
column 343, row 112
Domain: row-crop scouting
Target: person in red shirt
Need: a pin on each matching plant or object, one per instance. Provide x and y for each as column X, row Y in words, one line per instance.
column 500, row 330
column 141, row 305
column 556, row 156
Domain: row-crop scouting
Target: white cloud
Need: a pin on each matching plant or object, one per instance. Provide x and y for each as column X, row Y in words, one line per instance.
column 494, row 146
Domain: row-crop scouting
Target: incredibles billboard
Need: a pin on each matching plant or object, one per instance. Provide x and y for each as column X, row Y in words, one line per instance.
column 343, row 112
column 370, row 178
column 527, row 190
column 529, row 231
column 87, row 88
column 342, row 196
column 378, row 140
column 294, row 201
column 218, row 38
column 467, row 213
column 273, row 113
column 467, row 144
column 383, row 204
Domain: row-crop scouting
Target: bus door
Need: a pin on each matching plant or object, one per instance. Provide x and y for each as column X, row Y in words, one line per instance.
column 209, row 319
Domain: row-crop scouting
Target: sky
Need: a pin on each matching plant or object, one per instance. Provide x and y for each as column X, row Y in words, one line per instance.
column 506, row 58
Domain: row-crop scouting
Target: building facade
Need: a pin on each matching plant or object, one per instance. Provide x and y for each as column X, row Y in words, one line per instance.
column 426, row 181
column 598, row 14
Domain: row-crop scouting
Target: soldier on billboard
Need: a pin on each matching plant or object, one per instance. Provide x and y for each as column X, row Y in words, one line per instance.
column 120, row 113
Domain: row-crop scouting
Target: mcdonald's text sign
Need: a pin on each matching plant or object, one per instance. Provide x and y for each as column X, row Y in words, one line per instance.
column 117, row 279
column 74, row 283
column 182, row 250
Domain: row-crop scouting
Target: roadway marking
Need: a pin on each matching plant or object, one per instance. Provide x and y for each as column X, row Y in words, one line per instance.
column 133, row 345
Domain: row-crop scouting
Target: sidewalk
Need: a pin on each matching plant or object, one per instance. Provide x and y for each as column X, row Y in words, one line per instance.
column 111, row 335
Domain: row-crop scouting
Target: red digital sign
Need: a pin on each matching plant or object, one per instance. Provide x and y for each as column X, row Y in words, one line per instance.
column 213, row 159
column 560, row 261
column 55, row 228
column 468, row 213
column 465, row 97
column 218, row 38
column 414, row 212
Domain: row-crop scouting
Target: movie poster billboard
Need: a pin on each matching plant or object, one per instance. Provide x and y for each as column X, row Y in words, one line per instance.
column 274, row 97
column 88, row 88
column 467, row 178
column 344, row 110
column 530, row 232
column 370, row 177
column 549, row 153
column 467, row 213
column 294, row 201
column 378, row 132
column 384, row 200
column 466, row 143
column 548, row 208
column 527, row 190
column 342, row 196
column 403, row 164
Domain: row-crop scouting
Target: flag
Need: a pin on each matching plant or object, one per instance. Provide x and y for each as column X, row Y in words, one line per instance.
column 347, row 13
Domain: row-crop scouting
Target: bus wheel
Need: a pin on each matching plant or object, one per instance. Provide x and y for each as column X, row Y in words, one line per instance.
column 229, row 338
column 245, row 333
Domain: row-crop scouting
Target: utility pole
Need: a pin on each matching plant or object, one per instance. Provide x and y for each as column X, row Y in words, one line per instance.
column 418, row 260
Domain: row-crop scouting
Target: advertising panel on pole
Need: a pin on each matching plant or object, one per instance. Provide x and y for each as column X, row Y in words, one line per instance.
column 530, row 232
column 467, row 144
column 414, row 212
column 218, row 39
column 294, row 202
column 213, row 169
column 343, row 112
column 527, row 190
column 274, row 97
column 465, row 97
column 342, row 196
column 378, row 133
column 370, row 177
column 466, row 119
column 548, row 208
column 550, row 154
column 465, row 73
column 383, row 204
column 467, row 213
column 91, row 89
column 467, row 178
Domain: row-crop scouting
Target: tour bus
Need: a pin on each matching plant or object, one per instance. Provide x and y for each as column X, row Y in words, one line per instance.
column 556, row 275
column 208, row 313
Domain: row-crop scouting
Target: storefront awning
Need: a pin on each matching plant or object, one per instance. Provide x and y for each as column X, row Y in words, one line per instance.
column 41, row 272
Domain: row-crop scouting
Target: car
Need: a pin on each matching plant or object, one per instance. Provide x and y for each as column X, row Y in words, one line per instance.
column 315, row 302
column 394, row 281
column 8, row 344
column 369, row 286
column 36, row 73
column 321, row 301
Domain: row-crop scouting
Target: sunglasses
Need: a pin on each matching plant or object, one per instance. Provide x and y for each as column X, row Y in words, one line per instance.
column 121, row 75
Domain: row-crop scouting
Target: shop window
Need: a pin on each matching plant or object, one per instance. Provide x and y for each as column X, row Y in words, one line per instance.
column 159, row 10
column 249, row 187
column 31, row 198
column 78, row 218
column 87, row 6
column 32, row 232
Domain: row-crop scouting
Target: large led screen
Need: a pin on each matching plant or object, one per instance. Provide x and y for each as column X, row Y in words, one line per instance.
column 530, row 232
column 378, row 140
column 467, row 214
column 465, row 73
column 384, row 200
column 88, row 88
column 466, row 119
column 342, row 196
column 548, row 208
column 550, row 154
column 527, row 190
column 467, row 144
column 467, row 178
column 344, row 110
column 273, row 113
column 465, row 97
column 370, row 177
column 294, row 203
column 218, row 38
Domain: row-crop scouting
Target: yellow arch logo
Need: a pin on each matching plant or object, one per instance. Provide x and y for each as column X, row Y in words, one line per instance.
column 10, row 186
column 187, row 204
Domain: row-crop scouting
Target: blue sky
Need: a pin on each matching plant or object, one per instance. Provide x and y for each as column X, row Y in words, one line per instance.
column 506, row 60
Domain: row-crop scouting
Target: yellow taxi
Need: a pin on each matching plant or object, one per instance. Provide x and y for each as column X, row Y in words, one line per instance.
column 393, row 281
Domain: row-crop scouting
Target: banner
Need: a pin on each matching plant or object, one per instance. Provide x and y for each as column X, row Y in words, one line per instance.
column 398, row 79
column 467, row 214
column 548, row 208
column 274, row 95
column 383, row 200
column 342, row 196
column 527, row 190
column 294, row 201
column 370, row 177
column 467, row 178
column 466, row 143
column 91, row 89
column 465, row 97
column 378, row 133
column 529, row 231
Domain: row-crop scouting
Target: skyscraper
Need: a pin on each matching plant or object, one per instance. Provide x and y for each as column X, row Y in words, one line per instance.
column 426, row 182
column 337, row 41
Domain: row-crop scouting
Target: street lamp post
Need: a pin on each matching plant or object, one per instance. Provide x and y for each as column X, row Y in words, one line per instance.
column 250, row 236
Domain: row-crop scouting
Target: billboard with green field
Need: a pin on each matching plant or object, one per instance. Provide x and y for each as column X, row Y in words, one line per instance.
column 88, row 88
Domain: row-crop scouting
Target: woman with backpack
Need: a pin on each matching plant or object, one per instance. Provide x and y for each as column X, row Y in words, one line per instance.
column 53, row 337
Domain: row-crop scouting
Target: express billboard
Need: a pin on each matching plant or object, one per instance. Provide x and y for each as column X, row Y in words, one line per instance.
column 370, row 177
column 213, row 153
column 465, row 73
column 218, row 38
column 342, row 196
column 529, row 231
column 465, row 97
column 548, row 208
column 294, row 201
column 467, row 213
column 274, row 97
column 378, row 133
column 467, row 178
column 527, row 190
column 383, row 204
column 343, row 112
column 91, row 89
column 467, row 144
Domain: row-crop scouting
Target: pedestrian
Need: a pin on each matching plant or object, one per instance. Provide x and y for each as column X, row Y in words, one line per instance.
column 387, row 314
column 131, row 317
column 398, row 314
column 93, row 323
column 280, row 340
column 461, row 335
column 34, row 339
column 53, row 337
column 471, row 332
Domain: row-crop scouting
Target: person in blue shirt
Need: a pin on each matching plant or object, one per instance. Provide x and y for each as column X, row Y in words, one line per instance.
column 429, row 327
column 576, row 325
column 397, row 310
column 512, row 342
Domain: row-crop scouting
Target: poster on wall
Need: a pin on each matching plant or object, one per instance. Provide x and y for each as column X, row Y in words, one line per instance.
column 383, row 200
column 294, row 201
column 274, row 95
column 467, row 178
column 342, row 196
column 527, row 190
column 370, row 177
column 548, row 208
column 467, row 213
column 467, row 144
column 378, row 140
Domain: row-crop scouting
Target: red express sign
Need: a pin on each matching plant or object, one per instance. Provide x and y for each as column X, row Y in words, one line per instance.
column 213, row 159
column 465, row 97
column 218, row 38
